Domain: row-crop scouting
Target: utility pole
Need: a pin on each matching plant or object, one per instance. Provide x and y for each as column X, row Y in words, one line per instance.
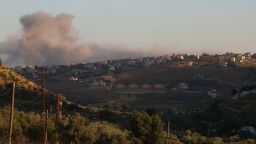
column 57, row 113
column 57, row 116
column 42, row 95
column 168, row 131
column 43, row 108
column 45, row 127
column 11, row 113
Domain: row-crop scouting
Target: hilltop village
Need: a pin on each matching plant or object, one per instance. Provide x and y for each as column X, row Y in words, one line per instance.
column 123, row 80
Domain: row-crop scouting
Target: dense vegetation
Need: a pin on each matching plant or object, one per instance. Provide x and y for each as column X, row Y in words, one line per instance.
column 144, row 129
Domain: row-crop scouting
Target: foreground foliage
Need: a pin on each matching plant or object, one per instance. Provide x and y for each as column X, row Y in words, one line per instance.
column 144, row 129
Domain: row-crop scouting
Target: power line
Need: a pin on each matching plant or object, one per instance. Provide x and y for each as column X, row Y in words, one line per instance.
column 6, row 92
column 31, row 100
column 34, row 99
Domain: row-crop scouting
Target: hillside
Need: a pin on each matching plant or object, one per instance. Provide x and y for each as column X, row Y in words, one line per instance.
column 28, row 99
column 235, row 112
column 115, row 122
column 8, row 76
column 92, row 123
column 27, row 92
column 200, row 80
column 168, row 73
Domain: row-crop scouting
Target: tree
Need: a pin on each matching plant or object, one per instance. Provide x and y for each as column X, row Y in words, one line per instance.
column 193, row 138
column 75, row 128
column 173, row 139
column 216, row 140
column 147, row 128
column 156, row 133
column 141, row 126
column 104, row 133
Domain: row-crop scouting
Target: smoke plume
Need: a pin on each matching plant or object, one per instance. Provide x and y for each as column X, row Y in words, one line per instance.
column 45, row 39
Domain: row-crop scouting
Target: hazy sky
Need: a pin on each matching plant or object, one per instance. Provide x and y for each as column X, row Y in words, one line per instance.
column 169, row 25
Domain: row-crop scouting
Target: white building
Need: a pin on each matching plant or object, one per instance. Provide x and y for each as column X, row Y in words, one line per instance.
column 240, row 58
column 212, row 93
column 133, row 86
column 183, row 86
column 120, row 86
column 223, row 61
column 73, row 78
column 247, row 55
column 181, row 57
column 159, row 86
column 190, row 63
column 232, row 59
column 146, row 86
column 98, row 84
column 149, row 63
column 111, row 68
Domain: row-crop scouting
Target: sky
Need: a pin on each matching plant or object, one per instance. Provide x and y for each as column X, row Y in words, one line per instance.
column 167, row 26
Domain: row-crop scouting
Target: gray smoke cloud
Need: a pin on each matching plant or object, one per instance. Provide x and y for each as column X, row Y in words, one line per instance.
column 44, row 40
column 47, row 39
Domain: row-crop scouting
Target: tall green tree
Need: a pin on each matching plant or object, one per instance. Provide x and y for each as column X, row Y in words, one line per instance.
column 156, row 133
column 147, row 128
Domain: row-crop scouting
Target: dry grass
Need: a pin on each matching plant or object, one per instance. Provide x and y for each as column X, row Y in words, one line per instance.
column 8, row 76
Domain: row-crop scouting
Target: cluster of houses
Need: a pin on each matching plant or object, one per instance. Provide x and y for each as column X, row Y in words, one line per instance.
column 142, row 86
column 183, row 59
column 103, row 67
column 184, row 87
column 231, row 58
column 189, row 59
column 104, row 81
column 74, row 71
